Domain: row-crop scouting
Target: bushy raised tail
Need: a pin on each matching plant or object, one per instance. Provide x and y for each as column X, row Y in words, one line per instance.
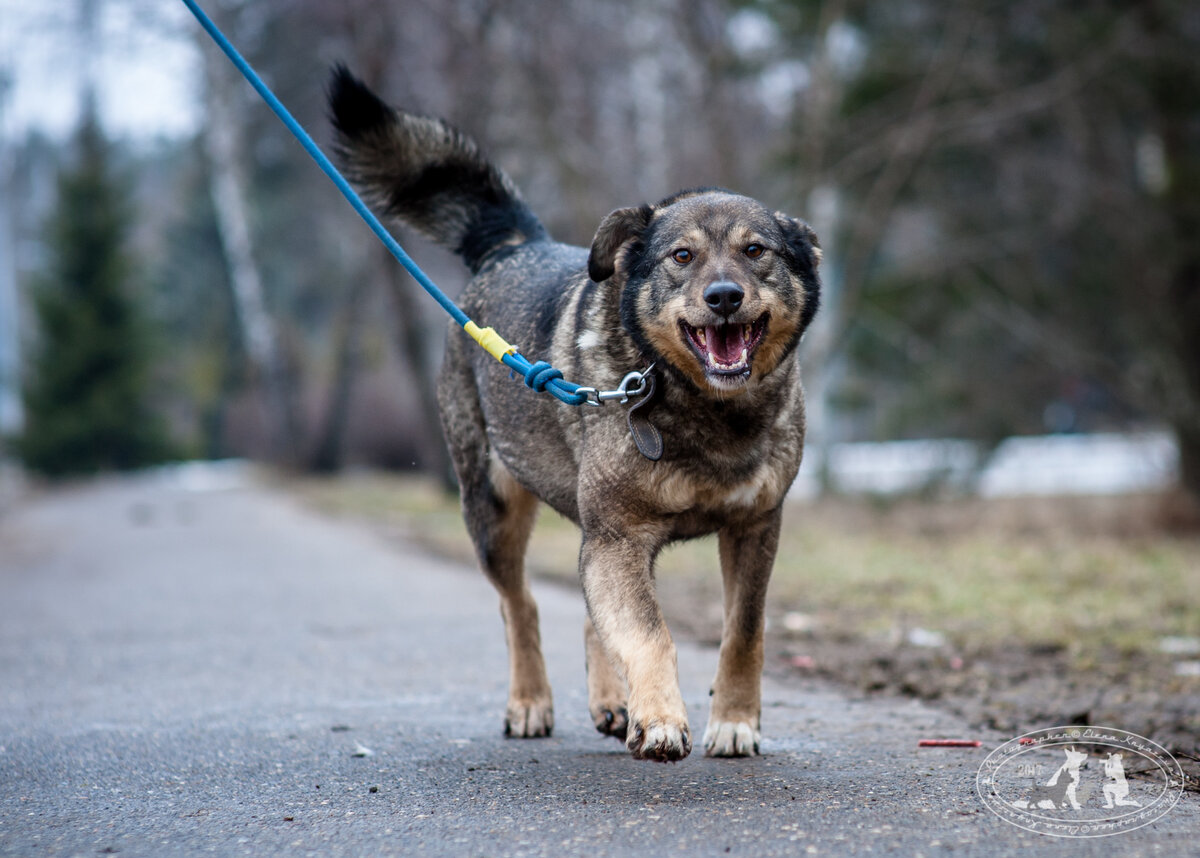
column 428, row 174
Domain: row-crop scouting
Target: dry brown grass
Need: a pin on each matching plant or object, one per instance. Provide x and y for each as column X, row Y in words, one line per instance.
column 1064, row 573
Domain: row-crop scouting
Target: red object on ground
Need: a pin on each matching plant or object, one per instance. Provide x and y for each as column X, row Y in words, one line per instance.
column 949, row 743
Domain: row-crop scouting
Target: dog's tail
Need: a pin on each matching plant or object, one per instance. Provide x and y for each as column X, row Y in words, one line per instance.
column 428, row 174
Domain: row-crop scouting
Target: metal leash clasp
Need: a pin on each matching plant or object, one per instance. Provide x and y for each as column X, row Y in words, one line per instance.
column 623, row 393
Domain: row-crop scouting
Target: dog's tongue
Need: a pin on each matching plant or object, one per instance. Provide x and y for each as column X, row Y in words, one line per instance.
column 725, row 343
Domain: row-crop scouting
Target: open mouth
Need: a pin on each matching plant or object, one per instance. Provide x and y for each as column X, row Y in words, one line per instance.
column 726, row 349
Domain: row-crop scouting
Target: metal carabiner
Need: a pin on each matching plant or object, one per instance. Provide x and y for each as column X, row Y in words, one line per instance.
column 623, row 393
column 591, row 396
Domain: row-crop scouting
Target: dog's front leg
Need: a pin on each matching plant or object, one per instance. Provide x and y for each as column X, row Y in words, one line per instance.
column 619, row 588
column 747, row 555
column 607, row 693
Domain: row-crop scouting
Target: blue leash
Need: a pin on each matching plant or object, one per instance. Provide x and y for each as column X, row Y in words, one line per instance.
column 540, row 376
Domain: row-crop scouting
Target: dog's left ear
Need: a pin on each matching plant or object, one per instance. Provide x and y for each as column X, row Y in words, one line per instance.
column 803, row 255
column 801, row 243
column 619, row 228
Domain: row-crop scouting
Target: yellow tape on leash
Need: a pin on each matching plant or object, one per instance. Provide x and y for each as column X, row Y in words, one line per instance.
column 492, row 343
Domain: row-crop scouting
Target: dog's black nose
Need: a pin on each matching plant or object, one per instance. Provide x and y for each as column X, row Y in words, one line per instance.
column 724, row 297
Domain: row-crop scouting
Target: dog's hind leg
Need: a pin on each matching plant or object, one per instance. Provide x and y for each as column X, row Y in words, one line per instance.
column 606, row 689
column 499, row 514
column 501, row 534
column 747, row 556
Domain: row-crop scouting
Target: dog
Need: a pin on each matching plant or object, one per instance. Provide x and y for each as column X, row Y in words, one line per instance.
column 1059, row 791
column 706, row 294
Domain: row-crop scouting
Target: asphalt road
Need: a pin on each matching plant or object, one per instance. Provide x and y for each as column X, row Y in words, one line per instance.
column 191, row 667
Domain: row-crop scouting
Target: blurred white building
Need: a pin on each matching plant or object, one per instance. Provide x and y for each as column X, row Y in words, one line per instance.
column 1109, row 463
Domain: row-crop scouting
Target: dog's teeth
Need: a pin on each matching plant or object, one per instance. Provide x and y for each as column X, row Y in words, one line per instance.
column 743, row 357
column 700, row 335
column 745, row 332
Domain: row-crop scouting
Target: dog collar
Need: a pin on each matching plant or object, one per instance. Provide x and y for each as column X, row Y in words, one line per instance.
column 642, row 386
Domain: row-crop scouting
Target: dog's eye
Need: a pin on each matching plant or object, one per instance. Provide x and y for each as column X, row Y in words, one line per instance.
column 683, row 256
column 754, row 251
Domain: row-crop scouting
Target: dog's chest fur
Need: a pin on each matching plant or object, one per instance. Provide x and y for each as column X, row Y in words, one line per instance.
column 723, row 461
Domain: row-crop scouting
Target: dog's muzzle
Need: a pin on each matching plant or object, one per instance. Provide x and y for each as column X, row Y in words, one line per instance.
column 725, row 349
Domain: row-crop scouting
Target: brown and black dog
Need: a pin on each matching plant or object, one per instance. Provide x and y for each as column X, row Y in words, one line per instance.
column 712, row 289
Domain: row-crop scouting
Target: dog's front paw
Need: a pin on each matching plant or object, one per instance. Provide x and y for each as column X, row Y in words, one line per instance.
column 528, row 719
column 611, row 719
column 731, row 739
column 660, row 739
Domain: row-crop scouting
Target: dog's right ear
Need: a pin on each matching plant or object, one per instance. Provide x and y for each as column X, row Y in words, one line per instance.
column 614, row 232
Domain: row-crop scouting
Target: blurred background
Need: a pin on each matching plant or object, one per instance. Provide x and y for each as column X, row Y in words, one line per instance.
column 1008, row 197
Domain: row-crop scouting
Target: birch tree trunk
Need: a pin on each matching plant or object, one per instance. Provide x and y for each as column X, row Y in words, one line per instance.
column 329, row 453
column 228, row 181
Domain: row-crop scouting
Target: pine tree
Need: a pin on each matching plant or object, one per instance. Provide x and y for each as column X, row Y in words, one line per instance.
column 86, row 394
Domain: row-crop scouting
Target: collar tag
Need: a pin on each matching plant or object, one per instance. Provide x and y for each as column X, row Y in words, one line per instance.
column 645, row 435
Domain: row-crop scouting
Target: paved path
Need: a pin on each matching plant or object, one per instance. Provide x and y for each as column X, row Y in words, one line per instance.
column 190, row 672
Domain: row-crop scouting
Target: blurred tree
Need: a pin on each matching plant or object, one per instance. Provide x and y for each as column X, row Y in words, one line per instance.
column 1018, row 209
column 224, row 135
column 375, row 41
column 1171, row 76
column 207, row 367
column 87, row 397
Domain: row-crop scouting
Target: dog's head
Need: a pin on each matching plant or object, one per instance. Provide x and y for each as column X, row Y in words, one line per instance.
column 713, row 283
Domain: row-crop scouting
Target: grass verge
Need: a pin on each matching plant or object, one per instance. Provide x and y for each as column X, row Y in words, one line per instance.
column 981, row 577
